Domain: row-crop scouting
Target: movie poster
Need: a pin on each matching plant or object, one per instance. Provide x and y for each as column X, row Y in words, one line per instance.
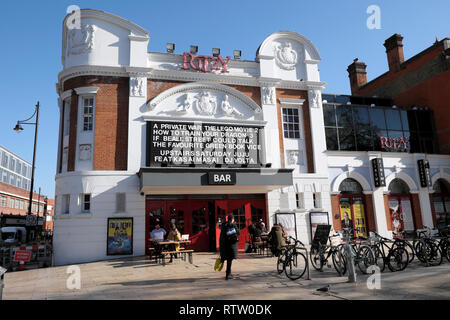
column 360, row 218
column 120, row 236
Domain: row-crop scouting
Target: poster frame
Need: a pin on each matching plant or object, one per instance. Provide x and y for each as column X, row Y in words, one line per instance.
column 132, row 237
column 288, row 213
column 310, row 224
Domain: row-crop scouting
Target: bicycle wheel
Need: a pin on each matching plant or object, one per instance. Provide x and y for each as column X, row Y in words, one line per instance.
column 316, row 258
column 420, row 250
column 445, row 248
column 339, row 262
column 434, row 255
column 365, row 258
column 405, row 244
column 397, row 259
column 295, row 265
column 379, row 256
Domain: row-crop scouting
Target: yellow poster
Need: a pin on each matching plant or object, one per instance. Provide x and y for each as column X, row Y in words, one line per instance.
column 346, row 214
column 360, row 220
column 120, row 236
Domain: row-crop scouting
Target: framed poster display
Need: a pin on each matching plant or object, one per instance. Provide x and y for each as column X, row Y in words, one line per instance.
column 288, row 221
column 119, row 239
column 317, row 218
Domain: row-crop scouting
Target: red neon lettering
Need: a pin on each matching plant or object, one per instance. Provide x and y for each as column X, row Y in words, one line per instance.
column 224, row 64
column 203, row 62
column 383, row 141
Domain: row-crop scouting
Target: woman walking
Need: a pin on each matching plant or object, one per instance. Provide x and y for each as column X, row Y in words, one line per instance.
column 229, row 238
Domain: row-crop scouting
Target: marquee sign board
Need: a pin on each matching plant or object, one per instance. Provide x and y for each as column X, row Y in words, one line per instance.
column 202, row 144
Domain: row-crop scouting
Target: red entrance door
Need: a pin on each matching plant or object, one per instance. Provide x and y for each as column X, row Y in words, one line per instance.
column 244, row 211
column 154, row 213
column 198, row 225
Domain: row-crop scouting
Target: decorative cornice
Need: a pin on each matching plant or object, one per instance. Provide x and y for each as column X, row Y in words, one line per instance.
column 205, row 120
column 291, row 101
column 138, row 38
column 66, row 94
column 86, row 90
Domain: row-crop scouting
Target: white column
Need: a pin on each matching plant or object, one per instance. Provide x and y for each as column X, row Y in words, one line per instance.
column 271, row 130
column 319, row 144
column 136, row 127
column 425, row 207
column 380, row 213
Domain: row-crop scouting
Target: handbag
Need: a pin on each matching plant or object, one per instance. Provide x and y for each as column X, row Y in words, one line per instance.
column 218, row 265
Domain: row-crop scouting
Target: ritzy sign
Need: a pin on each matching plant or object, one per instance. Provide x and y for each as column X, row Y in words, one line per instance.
column 204, row 63
column 397, row 144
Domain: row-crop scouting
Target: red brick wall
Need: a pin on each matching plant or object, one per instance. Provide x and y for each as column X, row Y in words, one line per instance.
column 433, row 212
column 111, row 121
column 296, row 94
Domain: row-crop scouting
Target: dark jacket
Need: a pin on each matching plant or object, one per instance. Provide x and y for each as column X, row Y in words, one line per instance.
column 276, row 237
column 228, row 250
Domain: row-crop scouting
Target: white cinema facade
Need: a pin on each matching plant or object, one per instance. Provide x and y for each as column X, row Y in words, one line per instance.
column 189, row 138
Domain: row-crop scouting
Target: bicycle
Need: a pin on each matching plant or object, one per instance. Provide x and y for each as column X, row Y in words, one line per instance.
column 397, row 257
column 427, row 248
column 362, row 254
column 320, row 254
column 291, row 260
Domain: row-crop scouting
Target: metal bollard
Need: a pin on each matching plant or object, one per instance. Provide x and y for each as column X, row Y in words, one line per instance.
column 350, row 262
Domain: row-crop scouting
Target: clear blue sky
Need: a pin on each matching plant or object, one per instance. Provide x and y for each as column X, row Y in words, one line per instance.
column 31, row 46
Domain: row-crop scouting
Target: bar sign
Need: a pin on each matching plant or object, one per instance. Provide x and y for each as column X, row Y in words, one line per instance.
column 424, row 173
column 378, row 172
column 222, row 178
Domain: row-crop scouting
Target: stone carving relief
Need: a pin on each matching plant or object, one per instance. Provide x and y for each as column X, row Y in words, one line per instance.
column 137, row 86
column 268, row 95
column 228, row 109
column 85, row 152
column 80, row 40
column 285, row 56
column 206, row 103
column 187, row 104
column 314, row 96
column 294, row 157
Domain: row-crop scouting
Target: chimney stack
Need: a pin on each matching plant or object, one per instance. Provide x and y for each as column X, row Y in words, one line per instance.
column 394, row 51
column 357, row 74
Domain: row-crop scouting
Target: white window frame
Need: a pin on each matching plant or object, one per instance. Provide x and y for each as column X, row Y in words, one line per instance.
column 88, row 115
column 300, row 200
column 317, row 200
column 84, row 202
column 65, row 209
column 283, row 122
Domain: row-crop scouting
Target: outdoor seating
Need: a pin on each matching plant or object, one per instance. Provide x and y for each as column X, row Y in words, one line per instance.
column 160, row 249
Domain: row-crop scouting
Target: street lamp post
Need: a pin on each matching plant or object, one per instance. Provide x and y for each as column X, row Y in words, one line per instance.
column 18, row 128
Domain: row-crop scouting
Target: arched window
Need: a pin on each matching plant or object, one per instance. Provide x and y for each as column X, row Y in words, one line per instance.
column 441, row 202
column 441, row 186
column 398, row 186
column 350, row 186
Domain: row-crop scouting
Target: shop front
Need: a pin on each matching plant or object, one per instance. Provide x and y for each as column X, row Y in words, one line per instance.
column 199, row 216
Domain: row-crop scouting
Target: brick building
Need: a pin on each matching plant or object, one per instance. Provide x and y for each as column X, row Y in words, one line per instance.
column 422, row 81
column 15, row 176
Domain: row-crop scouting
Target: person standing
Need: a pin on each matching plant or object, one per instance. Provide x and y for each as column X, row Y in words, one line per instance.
column 174, row 235
column 229, row 238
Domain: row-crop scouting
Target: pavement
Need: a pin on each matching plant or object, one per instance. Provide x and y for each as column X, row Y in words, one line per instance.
column 256, row 278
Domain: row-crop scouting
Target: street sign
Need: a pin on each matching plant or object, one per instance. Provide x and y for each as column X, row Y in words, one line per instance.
column 22, row 255
column 31, row 220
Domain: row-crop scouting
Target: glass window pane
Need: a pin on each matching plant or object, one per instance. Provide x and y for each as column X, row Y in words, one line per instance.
column 377, row 119
column 393, row 119
column 344, row 116
column 331, row 136
column 404, row 116
column 361, row 116
column 329, row 115
column 347, row 139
